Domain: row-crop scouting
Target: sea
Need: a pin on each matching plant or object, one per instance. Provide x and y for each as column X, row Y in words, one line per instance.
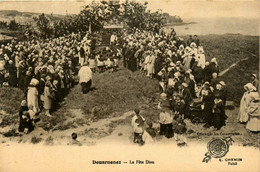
column 205, row 26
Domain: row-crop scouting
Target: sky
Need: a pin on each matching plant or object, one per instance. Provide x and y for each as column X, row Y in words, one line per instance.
column 182, row 8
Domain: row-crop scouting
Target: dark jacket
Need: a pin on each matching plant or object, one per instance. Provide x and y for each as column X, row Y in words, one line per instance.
column 24, row 122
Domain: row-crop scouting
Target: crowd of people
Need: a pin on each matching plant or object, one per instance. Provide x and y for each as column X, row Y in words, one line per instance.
column 186, row 80
column 45, row 70
column 100, row 58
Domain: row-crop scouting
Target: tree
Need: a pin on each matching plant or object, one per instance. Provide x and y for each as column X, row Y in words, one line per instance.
column 29, row 32
column 3, row 24
column 93, row 17
column 44, row 26
column 95, row 14
column 136, row 15
column 13, row 25
column 155, row 21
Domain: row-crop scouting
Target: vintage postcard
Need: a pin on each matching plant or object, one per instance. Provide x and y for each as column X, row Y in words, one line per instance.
column 129, row 85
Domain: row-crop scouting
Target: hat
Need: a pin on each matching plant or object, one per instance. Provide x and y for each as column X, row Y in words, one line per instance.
column 193, row 44
column 24, row 103
column 250, row 87
column 172, row 64
column 214, row 75
column 163, row 95
column 188, row 71
column 218, row 86
column 206, row 83
column 177, row 74
column 28, row 72
column 222, row 83
column 34, row 82
column 184, row 84
column 254, row 75
column 48, row 78
column 214, row 60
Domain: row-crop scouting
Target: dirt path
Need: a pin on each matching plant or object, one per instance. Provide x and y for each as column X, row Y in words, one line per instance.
column 88, row 134
column 231, row 66
column 122, row 134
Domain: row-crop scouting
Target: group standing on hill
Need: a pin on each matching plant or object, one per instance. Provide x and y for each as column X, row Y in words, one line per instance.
column 185, row 78
column 45, row 69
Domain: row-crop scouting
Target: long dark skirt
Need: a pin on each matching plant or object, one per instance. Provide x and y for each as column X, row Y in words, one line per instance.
column 24, row 123
column 218, row 120
column 166, row 129
column 12, row 81
column 207, row 114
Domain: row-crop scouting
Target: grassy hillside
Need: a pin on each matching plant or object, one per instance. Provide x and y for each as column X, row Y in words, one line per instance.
column 238, row 76
column 229, row 48
column 112, row 95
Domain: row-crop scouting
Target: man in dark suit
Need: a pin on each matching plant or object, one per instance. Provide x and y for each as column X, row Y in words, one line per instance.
column 196, row 40
column 207, row 73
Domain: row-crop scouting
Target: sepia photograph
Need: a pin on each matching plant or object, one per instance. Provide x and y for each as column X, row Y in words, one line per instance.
column 129, row 85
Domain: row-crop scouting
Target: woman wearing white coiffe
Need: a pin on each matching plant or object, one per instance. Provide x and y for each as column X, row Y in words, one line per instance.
column 150, row 65
column 253, row 123
column 32, row 95
column 146, row 61
column 245, row 102
column 201, row 57
column 186, row 62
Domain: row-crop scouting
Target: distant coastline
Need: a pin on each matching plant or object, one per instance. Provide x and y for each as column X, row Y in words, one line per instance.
column 180, row 24
column 218, row 26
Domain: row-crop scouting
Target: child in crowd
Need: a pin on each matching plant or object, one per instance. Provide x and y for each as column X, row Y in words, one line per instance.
column 25, row 120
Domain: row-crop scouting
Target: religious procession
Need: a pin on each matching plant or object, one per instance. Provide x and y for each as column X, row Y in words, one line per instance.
column 189, row 87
